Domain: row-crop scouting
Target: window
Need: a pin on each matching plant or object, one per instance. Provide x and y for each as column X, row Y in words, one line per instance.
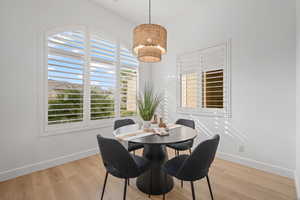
column 66, row 53
column 102, row 78
column 128, row 83
column 90, row 78
column 204, row 86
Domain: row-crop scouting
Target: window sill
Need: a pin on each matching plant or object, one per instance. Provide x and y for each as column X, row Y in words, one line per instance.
column 81, row 126
column 75, row 128
column 204, row 113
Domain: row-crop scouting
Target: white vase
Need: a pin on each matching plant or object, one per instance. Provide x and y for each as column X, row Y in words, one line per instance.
column 146, row 124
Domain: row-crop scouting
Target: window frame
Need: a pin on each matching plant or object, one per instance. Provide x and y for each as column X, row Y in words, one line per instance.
column 207, row 112
column 86, row 123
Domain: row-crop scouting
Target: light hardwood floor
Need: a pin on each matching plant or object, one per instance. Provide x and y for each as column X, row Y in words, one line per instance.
column 83, row 180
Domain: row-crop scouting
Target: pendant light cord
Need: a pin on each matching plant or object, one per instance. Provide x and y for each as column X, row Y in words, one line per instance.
column 149, row 11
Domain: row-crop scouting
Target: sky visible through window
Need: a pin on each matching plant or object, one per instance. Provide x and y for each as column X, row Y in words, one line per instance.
column 77, row 46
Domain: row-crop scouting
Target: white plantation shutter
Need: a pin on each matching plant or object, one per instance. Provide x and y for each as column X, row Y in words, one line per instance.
column 204, row 85
column 66, row 53
column 189, row 89
column 89, row 78
column 102, row 77
column 128, row 83
column 213, row 89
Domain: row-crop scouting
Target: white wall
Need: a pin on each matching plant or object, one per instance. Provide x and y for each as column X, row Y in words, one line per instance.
column 263, row 81
column 297, row 174
column 23, row 24
column 263, row 74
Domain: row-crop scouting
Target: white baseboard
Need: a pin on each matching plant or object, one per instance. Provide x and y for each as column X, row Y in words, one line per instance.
column 27, row 169
column 257, row 165
column 297, row 185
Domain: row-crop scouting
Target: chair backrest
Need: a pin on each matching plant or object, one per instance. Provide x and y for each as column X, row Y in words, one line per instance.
column 122, row 122
column 198, row 163
column 116, row 157
column 186, row 122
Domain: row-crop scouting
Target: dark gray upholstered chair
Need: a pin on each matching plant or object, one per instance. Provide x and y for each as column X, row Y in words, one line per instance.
column 119, row 162
column 195, row 166
column 183, row 146
column 187, row 145
column 124, row 122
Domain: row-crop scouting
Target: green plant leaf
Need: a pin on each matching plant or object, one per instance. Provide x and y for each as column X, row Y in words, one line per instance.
column 148, row 101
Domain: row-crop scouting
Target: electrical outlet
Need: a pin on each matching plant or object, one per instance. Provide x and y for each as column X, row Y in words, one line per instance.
column 241, row 148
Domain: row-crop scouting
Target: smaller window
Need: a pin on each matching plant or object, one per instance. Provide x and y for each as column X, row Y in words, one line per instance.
column 204, row 84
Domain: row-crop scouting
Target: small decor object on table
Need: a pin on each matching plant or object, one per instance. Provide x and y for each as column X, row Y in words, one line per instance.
column 162, row 124
column 161, row 131
column 148, row 102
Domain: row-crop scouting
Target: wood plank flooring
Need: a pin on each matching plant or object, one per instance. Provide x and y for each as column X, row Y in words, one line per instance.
column 83, row 180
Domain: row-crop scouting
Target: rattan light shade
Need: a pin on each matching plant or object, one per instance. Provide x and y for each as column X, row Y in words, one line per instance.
column 149, row 42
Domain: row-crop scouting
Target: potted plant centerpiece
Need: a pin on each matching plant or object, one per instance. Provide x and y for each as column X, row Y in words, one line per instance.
column 148, row 102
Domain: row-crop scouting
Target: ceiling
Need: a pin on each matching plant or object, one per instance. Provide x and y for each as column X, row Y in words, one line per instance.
column 163, row 11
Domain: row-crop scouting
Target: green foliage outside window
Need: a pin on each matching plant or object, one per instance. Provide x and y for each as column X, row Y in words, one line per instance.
column 67, row 105
column 125, row 78
column 102, row 105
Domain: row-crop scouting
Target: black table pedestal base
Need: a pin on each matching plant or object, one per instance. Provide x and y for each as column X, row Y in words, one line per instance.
column 155, row 181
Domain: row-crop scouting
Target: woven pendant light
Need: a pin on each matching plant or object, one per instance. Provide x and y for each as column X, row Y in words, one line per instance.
column 149, row 41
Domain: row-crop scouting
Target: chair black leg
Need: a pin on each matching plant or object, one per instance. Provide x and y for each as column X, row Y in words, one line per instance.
column 128, row 181
column 175, row 152
column 106, row 175
column 190, row 151
column 178, row 155
column 125, row 189
column 193, row 190
column 149, row 195
column 209, row 186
